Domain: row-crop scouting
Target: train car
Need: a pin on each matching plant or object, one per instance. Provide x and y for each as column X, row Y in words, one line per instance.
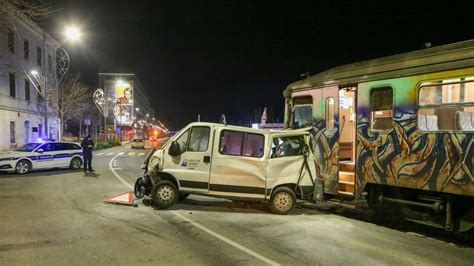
column 395, row 132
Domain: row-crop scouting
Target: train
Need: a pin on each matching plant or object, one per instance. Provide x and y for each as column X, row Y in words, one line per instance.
column 395, row 132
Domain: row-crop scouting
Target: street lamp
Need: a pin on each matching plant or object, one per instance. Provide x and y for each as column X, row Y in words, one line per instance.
column 72, row 33
column 40, row 81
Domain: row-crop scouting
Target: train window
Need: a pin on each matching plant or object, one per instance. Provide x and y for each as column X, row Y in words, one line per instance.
column 381, row 107
column 302, row 111
column 303, row 116
column 330, row 113
column 447, row 105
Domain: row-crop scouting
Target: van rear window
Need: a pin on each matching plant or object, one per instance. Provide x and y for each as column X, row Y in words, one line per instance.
column 241, row 144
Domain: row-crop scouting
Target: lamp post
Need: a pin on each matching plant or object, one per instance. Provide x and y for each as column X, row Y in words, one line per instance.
column 40, row 81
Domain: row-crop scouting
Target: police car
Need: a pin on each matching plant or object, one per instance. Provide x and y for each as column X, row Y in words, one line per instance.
column 42, row 155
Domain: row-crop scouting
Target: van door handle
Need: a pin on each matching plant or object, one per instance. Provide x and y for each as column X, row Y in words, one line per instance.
column 207, row 159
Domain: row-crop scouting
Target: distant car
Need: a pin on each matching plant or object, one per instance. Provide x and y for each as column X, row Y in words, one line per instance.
column 42, row 155
column 138, row 144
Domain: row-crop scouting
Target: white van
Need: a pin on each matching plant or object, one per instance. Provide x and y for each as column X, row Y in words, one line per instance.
column 232, row 162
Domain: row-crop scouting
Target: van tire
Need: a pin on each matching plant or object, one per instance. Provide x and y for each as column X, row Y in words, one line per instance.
column 164, row 194
column 283, row 200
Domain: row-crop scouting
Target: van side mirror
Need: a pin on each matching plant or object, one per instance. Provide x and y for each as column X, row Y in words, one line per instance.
column 174, row 149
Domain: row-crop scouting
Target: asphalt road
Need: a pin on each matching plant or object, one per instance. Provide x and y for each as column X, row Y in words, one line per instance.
column 58, row 217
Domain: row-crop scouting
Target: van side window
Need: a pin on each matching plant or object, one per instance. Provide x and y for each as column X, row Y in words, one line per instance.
column 447, row 105
column 287, row 146
column 254, row 145
column 183, row 140
column 199, row 139
column 241, row 144
column 381, row 108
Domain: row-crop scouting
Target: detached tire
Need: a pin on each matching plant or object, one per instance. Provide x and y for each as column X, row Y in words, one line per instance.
column 22, row 167
column 76, row 163
column 283, row 201
column 164, row 194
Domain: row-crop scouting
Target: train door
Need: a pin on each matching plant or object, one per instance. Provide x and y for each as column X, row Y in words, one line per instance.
column 347, row 140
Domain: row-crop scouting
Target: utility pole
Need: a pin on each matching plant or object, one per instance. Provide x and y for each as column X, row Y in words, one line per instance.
column 45, row 89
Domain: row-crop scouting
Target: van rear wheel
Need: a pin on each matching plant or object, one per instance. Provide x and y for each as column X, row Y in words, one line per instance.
column 283, row 200
column 164, row 194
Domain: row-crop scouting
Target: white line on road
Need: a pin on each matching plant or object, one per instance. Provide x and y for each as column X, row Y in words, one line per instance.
column 141, row 153
column 100, row 153
column 131, row 153
column 110, row 153
column 203, row 228
column 121, row 153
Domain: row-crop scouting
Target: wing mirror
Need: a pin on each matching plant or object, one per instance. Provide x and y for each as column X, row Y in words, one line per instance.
column 40, row 150
column 174, row 149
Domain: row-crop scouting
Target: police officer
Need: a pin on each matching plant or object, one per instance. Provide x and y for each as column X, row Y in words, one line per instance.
column 87, row 146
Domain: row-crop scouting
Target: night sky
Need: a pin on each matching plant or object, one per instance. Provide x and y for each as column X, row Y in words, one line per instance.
column 235, row 57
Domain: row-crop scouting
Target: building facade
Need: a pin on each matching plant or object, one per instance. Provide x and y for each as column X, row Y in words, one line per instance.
column 27, row 56
column 129, row 109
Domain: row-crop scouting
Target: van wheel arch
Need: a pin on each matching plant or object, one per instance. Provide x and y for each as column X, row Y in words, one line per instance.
column 291, row 186
column 165, row 176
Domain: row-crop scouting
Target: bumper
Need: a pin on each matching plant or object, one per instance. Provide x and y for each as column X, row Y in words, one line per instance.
column 6, row 167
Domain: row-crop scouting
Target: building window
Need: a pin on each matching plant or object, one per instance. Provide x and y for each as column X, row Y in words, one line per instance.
column 330, row 106
column 12, row 85
column 50, row 63
column 12, row 132
column 447, row 105
column 27, row 90
column 11, row 41
column 381, row 108
column 241, row 144
column 39, row 56
column 26, row 49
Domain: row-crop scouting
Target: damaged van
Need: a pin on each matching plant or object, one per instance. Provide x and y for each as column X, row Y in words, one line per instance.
column 236, row 163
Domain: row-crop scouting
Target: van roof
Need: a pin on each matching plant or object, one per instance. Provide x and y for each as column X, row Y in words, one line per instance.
column 248, row 129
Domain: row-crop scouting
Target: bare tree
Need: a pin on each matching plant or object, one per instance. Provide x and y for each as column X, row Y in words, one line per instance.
column 10, row 10
column 74, row 98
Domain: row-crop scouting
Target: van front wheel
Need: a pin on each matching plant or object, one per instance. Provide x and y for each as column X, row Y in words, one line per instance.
column 164, row 194
column 283, row 200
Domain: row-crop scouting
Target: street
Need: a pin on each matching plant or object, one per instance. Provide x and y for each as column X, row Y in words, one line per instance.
column 58, row 217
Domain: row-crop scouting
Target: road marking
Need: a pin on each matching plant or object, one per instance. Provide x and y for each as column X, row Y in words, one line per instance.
column 110, row 153
column 131, row 153
column 100, row 153
column 203, row 228
column 226, row 240
column 141, row 153
column 121, row 153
